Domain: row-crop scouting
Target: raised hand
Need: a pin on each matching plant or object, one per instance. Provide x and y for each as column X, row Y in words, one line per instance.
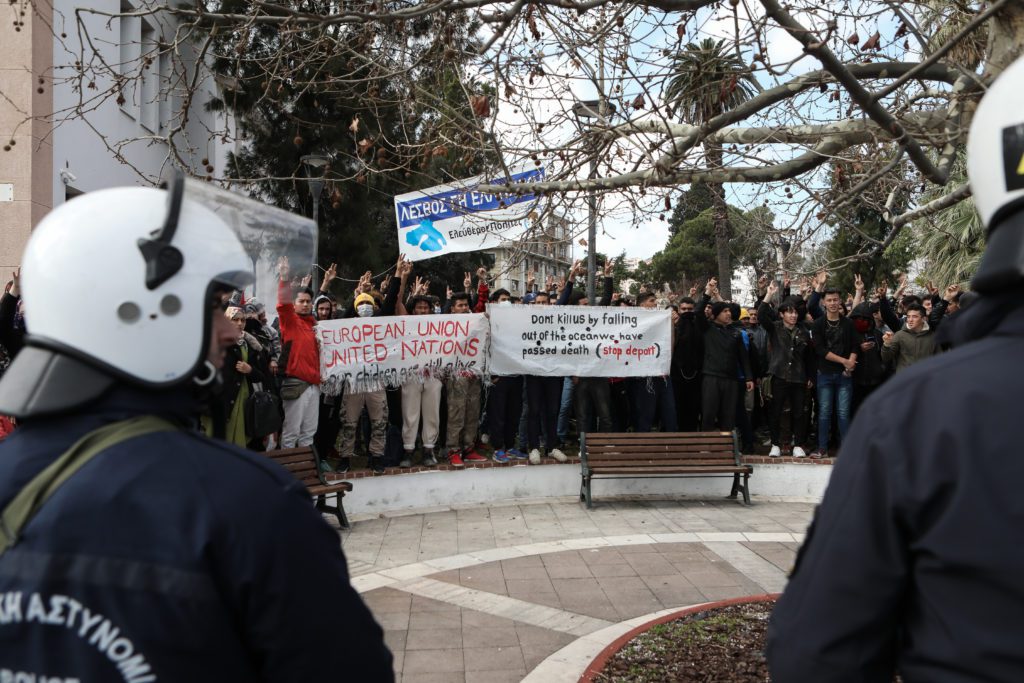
column 531, row 278
column 306, row 280
column 425, row 287
column 284, row 269
column 785, row 280
column 608, row 266
column 385, row 283
column 951, row 292
column 366, row 282
column 467, row 282
column 331, row 273
column 15, row 289
column 481, row 274
column 417, row 284
column 858, row 282
column 762, row 283
column 773, row 288
column 711, row 287
column 693, row 292
column 932, row 289
column 886, row 338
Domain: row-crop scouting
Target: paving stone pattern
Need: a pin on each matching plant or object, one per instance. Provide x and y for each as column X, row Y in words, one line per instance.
column 499, row 619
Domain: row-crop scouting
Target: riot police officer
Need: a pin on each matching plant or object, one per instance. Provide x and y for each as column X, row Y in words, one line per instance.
column 132, row 548
column 914, row 560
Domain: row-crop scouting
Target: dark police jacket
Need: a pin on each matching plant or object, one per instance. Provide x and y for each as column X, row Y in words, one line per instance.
column 915, row 556
column 171, row 557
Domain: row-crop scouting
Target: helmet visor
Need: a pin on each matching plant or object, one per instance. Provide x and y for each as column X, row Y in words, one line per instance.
column 267, row 234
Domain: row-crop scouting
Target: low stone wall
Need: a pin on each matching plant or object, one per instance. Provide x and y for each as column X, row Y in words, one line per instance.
column 777, row 479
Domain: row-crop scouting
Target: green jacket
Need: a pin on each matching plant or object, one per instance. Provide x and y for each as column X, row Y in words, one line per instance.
column 906, row 347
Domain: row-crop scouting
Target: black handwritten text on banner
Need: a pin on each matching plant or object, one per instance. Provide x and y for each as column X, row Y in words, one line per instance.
column 580, row 341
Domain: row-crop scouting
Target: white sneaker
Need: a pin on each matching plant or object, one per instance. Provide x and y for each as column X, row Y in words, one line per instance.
column 534, row 457
column 558, row 455
column 798, row 452
column 775, row 452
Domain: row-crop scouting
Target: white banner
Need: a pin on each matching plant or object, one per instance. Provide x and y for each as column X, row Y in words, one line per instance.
column 580, row 341
column 456, row 218
column 368, row 354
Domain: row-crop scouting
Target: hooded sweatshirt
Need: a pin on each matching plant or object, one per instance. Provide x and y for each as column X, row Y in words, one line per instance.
column 870, row 370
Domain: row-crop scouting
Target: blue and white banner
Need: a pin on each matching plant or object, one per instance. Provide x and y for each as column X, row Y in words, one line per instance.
column 448, row 219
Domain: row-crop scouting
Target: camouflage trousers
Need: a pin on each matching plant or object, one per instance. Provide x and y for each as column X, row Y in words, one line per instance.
column 463, row 411
column 376, row 404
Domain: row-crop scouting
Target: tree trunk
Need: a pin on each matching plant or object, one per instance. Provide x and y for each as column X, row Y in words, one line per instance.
column 721, row 217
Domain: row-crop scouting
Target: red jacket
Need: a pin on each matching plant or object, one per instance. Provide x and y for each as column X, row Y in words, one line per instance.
column 297, row 335
column 482, row 294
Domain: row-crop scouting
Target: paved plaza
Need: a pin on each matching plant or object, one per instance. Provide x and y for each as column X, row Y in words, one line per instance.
column 534, row 591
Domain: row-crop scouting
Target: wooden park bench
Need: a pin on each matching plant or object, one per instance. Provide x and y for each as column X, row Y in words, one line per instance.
column 304, row 463
column 656, row 454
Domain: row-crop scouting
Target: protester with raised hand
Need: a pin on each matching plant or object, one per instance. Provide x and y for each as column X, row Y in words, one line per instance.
column 544, row 394
column 834, row 341
column 300, row 389
column 12, row 323
column 375, row 402
column 724, row 352
column 789, row 344
column 421, row 397
column 916, row 341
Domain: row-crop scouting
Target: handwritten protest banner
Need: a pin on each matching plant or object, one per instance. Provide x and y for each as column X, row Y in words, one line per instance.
column 368, row 354
column 446, row 219
column 580, row 341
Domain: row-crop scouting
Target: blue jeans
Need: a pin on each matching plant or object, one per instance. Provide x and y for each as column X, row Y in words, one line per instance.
column 833, row 387
column 565, row 409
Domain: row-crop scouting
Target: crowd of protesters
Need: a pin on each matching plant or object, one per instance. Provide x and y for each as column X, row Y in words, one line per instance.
column 787, row 371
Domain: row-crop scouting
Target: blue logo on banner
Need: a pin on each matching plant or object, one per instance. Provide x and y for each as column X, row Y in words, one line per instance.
column 426, row 237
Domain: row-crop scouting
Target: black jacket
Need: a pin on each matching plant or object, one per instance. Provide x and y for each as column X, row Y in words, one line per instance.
column 788, row 350
column 871, row 370
column 914, row 559
column 725, row 354
column 834, row 336
column 688, row 351
column 11, row 338
column 207, row 561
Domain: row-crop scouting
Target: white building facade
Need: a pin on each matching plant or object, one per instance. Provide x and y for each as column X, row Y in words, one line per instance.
column 72, row 132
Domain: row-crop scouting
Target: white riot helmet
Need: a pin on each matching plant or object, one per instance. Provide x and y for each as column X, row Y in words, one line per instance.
column 995, row 165
column 119, row 284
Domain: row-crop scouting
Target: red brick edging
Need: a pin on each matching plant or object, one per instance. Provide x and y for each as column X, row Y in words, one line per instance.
column 597, row 665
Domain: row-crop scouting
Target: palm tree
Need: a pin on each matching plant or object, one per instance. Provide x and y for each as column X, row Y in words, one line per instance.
column 707, row 80
column 952, row 241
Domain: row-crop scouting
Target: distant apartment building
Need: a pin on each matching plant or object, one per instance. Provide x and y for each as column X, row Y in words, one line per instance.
column 545, row 251
column 61, row 139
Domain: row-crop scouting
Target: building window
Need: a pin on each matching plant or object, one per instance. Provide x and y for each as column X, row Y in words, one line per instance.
column 515, row 285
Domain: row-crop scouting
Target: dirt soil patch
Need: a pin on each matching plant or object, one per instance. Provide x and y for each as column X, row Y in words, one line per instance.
column 724, row 644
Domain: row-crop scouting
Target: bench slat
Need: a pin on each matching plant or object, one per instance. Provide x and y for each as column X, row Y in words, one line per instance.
column 708, row 469
column 293, row 458
column 655, row 457
column 629, row 448
column 341, row 486
column 667, row 462
column 604, row 440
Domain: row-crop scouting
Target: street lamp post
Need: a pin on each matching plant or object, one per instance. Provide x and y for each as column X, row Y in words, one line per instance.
column 590, row 110
column 315, row 164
